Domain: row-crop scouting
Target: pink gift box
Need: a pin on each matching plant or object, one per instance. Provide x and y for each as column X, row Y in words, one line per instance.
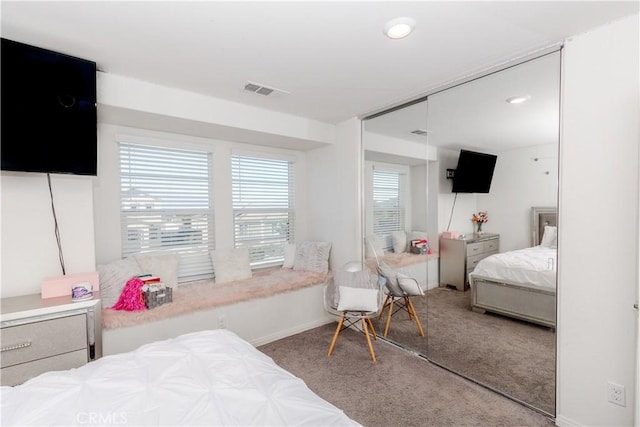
column 61, row 286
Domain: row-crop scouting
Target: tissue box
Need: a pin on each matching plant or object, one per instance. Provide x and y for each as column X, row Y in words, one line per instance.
column 450, row 235
column 155, row 297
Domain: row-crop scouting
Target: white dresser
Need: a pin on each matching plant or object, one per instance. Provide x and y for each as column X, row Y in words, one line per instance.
column 458, row 257
column 39, row 335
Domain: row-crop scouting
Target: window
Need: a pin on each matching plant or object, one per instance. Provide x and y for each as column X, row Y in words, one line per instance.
column 166, row 205
column 263, row 207
column 388, row 205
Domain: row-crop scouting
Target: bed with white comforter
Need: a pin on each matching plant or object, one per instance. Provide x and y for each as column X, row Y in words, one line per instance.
column 202, row 378
column 534, row 267
column 519, row 284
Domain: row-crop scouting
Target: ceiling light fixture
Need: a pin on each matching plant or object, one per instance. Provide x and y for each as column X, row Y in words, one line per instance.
column 518, row 99
column 399, row 28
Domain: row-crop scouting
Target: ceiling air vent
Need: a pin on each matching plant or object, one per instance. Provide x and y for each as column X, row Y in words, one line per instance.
column 421, row 132
column 262, row 89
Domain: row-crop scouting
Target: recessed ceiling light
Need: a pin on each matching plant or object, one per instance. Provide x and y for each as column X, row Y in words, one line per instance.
column 399, row 28
column 518, row 99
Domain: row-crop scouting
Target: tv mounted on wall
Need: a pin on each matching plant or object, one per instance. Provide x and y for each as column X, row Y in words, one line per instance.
column 48, row 111
column 474, row 172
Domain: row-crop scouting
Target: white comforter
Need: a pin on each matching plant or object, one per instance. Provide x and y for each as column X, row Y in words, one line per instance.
column 533, row 267
column 202, row 378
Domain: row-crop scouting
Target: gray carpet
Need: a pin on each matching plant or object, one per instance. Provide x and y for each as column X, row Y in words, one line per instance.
column 399, row 390
column 513, row 356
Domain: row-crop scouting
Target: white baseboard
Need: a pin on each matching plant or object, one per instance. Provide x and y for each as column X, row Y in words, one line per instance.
column 566, row 422
column 290, row 331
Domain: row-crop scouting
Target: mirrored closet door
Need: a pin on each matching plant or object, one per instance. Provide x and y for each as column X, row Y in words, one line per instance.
column 397, row 160
column 498, row 331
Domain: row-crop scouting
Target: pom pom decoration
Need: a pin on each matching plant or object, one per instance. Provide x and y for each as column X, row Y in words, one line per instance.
column 131, row 296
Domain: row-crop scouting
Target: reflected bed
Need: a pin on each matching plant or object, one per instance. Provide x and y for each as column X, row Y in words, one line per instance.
column 521, row 283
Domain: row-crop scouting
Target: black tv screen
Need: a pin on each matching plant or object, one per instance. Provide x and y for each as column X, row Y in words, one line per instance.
column 48, row 111
column 474, row 172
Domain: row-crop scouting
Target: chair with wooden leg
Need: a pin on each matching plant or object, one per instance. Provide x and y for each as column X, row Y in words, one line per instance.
column 399, row 290
column 354, row 295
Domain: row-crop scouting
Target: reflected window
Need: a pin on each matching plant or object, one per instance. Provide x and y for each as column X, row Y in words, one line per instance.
column 388, row 205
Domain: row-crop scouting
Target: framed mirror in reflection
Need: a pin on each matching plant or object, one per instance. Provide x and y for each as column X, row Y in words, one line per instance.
column 496, row 330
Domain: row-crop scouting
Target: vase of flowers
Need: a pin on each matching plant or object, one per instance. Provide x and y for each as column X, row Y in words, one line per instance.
column 479, row 219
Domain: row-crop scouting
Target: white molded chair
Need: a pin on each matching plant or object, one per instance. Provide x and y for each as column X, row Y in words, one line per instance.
column 354, row 294
column 399, row 289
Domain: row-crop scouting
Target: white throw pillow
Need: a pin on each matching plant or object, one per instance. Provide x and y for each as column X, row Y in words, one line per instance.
column 312, row 256
column 113, row 278
column 399, row 239
column 409, row 285
column 373, row 247
column 231, row 264
column 289, row 255
column 356, row 299
column 164, row 265
column 550, row 237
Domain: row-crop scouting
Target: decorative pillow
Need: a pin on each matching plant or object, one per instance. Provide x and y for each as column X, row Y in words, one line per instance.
column 113, row 278
column 312, row 256
column 163, row 265
column 399, row 239
column 409, row 285
column 373, row 247
column 550, row 237
column 231, row 264
column 289, row 255
column 357, row 299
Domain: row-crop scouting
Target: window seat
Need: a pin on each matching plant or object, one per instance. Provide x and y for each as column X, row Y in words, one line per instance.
column 404, row 259
column 204, row 294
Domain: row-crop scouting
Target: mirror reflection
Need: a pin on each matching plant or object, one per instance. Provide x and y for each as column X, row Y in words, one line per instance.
column 398, row 232
column 490, row 304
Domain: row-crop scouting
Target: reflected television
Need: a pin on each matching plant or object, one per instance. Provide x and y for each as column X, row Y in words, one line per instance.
column 474, row 172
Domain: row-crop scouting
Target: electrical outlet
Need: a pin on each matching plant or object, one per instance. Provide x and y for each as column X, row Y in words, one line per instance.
column 222, row 321
column 616, row 394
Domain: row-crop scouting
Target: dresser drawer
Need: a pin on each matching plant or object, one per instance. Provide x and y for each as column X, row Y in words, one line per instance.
column 41, row 339
column 472, row 261
column 17, row 374
column 490, row 245
column 475, row 248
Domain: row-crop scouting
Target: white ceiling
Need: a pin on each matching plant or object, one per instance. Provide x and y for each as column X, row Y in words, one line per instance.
column 476, row 116
column 331, row 57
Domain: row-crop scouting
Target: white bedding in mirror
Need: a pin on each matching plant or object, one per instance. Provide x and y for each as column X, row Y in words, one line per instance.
column 203, row 378
column 533, row 267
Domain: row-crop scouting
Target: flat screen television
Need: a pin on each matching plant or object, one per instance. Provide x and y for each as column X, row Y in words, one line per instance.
column 48, row 111
column 474, row 172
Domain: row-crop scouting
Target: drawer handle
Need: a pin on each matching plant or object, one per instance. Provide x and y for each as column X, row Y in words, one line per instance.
column 16, row 346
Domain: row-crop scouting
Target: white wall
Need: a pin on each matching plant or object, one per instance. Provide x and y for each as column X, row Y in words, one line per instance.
column 334, row 195
column 598, row 229
column 29, row 249
column 519, row 183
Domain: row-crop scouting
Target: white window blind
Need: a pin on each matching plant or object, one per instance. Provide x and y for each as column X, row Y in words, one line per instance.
column 388, row 205
column 263, row 207
column 166, row 205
